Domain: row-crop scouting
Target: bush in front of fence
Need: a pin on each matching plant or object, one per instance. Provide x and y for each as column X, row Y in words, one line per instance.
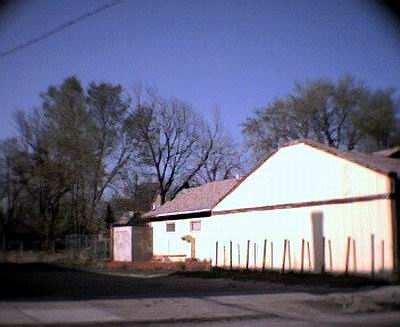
column 187, row 265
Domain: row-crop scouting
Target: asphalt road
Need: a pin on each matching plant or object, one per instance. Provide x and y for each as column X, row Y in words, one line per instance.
column 45, row 294
column 42, row 282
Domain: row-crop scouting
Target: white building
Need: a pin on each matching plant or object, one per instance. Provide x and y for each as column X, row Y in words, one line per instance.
column 345, row 206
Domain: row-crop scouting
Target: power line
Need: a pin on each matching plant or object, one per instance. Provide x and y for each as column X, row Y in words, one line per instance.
column 59, row 29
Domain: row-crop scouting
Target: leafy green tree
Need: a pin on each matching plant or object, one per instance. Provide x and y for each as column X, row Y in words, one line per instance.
column 44, row 176
column 85, row 143
column 67, row 154
column 108, row 109
column 67, row 121
column 88, row 131
column 12, row 192
column 344, row 114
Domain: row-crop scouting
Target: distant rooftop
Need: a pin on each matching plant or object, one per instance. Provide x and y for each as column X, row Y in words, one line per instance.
column 390, row 153
column 197, row 200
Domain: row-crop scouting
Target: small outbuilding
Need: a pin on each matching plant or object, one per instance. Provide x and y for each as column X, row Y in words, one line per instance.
column 307, row 207
column 131, row 241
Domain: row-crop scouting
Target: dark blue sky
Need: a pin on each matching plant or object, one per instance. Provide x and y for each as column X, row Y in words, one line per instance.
column 237, row 55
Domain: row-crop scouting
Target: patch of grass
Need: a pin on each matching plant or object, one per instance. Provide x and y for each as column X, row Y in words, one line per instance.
column 30, row 256
column 290, row 278
column 84, row 264
column 80, row 263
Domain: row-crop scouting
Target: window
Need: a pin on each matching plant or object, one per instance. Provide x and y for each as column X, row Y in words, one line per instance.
column 170, row 227
column 195, row 225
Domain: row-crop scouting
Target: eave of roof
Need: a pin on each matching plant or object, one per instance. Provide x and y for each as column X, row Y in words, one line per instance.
column 179, row 216
column 363, row 159
column 383, row 165
column 193, row 203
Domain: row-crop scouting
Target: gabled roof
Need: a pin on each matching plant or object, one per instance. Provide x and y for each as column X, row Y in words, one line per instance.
column 193, row 202
column 390, row 153
column 199, row 201
column 378, row 163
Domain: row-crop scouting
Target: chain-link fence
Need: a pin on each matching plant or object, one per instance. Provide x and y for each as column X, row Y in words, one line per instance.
column 94, row 247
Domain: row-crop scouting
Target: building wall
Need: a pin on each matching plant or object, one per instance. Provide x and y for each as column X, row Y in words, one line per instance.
column 132, row 243
column 358, row 220
column 122, row 243
column 301, row 173
column 296, row 174
column 142, row 243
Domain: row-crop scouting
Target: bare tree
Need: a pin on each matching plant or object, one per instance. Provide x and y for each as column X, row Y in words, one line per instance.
column 173, row 140
column 224, row 160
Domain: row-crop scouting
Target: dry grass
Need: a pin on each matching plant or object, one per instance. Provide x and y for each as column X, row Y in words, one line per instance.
column 30, row 256
column 290, row 278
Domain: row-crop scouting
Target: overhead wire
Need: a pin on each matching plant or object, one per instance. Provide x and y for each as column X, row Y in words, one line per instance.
column 59, row 28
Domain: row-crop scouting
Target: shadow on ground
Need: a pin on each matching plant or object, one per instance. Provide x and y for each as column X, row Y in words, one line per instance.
column 47, row 282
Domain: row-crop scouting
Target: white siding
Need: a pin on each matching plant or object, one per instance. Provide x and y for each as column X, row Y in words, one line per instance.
column 295, row 174
column 301, row 173
column 357, row 220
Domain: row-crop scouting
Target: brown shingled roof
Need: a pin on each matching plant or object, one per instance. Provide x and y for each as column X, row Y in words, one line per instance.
column 198, row 200
column 391, row 153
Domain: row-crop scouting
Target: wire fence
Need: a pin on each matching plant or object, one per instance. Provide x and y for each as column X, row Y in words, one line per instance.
column 94, row 247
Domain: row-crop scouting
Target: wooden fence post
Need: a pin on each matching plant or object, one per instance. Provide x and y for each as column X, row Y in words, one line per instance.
column 272, row 255
column 323, row 255
column 372, row 255
column 330, row 255
column 309, row 255
column 238, row 247
column 247, row 254
column 289, row 255
column 284, row 255
column 383, row 255
column 354, row 256
column 230, row 255
column 224, row 256
column 255, row 255
column 216, row 254
column 346, row 269
column 264, row 255
column 302, row 256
